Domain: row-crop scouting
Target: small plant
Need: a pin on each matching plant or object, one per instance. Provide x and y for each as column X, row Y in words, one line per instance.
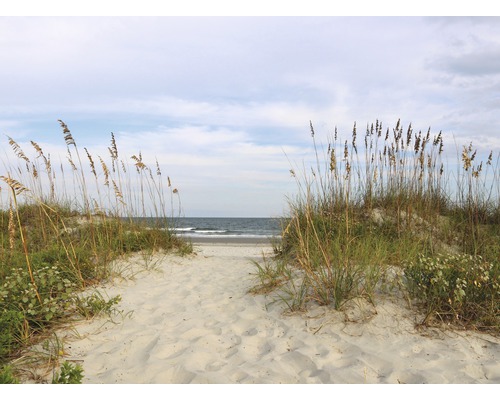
column 42, row 304
column 11, row 323
column 294, row 294
column 7, row 375
column 95, row 305
column 463, row 289
column 69, row 374
column 270, row 275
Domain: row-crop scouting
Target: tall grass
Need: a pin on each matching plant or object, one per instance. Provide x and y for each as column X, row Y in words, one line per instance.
column 60, row 226
column 384, row 198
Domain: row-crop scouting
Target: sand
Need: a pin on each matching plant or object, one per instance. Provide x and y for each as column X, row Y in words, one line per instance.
column 191, row 320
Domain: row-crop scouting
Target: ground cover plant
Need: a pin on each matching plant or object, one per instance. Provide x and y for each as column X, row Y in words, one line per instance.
column 392, row 200
column 60, row 226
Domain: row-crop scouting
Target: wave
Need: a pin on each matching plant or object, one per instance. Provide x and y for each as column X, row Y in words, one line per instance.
column 231, row 235
column 227, row 227
column 200, row 231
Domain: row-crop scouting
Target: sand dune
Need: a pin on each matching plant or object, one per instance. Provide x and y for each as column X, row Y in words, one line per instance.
column 194, row 322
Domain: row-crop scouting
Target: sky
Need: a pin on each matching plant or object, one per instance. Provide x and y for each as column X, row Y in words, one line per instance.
column 224, row 103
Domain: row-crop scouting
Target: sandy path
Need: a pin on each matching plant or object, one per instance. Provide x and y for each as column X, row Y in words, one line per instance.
column 194, row 322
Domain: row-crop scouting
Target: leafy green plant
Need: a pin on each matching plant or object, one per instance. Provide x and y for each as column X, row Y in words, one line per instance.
column 462, row 289
column 69, row 374
column 49, row 301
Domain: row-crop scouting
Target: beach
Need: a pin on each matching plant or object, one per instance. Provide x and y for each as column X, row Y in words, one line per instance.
column 191, row 319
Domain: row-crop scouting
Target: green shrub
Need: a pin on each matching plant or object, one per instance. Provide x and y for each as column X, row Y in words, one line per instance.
column 19, row 293
column 463, row 289
column 69, row 374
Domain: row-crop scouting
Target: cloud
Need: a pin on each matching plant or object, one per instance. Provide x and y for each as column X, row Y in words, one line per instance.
column 226, row 168
column 480, row 63
column 222, row 102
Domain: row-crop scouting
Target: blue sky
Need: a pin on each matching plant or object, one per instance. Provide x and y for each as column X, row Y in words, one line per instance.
column 224, row 103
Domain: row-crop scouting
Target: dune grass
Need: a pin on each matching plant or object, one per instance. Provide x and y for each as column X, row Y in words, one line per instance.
column 61, row 226
column 391, row 200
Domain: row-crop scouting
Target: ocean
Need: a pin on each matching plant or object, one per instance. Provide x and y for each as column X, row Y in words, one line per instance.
column 251, row 228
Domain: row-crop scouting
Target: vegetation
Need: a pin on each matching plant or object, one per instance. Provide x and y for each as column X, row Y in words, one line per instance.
column 387, row 202
column 392, row 200
column 59, row 232
column 70, row 374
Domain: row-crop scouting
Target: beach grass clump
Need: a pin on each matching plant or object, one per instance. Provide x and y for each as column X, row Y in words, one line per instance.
column 60, row 231
column 389, row 198
column 7, row 375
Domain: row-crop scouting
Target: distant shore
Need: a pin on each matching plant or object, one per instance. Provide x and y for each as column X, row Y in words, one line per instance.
column 230, row 240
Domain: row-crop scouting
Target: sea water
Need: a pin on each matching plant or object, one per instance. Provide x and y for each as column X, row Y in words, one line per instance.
column 199, row 227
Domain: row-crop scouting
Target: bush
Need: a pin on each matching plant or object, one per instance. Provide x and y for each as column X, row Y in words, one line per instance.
column 70, row 374
column 19, row 293
column 462, row 289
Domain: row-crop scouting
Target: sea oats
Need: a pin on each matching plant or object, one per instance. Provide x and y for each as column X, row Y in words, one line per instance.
column 37, row 148
column 16, row 186
column 68, row 138
column 17, row 149
column 113, row 149
column 118, row 193
column 92, row 166
column 333, row 161
column 354, row 138
column 312, row 128
column 138, row 162
column 465, row 158
column 12, row 227
column 409, row 135
column 105, row 170
column 70, row 160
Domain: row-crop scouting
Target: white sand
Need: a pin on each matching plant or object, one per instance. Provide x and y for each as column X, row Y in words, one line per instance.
column 194, row 322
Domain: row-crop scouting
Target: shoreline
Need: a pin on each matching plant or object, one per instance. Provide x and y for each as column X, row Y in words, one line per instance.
column 229, row 240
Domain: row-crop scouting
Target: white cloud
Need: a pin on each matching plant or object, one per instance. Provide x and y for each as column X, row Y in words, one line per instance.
column 220, row 101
